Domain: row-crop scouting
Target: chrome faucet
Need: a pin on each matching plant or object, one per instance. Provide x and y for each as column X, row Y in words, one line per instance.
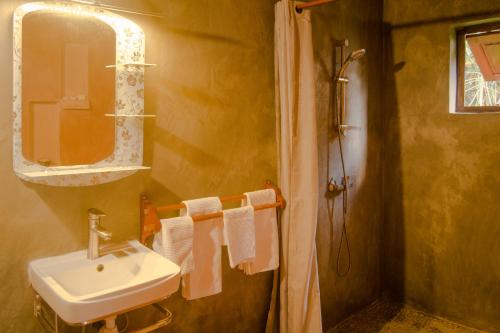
column 96, row 232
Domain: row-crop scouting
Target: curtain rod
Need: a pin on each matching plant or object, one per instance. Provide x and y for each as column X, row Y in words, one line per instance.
column 310, row 4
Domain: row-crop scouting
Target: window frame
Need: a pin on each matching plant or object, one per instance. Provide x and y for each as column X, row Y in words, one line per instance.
column 460, row 62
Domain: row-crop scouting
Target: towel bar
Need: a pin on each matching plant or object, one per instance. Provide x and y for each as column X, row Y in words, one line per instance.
column 150, row 223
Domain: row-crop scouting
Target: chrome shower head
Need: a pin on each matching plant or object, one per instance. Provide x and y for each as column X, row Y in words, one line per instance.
column 353, row 56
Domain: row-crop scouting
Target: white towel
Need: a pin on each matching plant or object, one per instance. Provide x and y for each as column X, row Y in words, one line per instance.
column 239, row 232
column 206, row 278
column 175, row 242
column 266, row 233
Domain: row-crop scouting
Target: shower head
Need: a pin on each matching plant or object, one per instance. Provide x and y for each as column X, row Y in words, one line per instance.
column 353, row 56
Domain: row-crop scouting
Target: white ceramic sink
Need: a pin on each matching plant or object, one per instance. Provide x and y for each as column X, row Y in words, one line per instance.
column 80, row 290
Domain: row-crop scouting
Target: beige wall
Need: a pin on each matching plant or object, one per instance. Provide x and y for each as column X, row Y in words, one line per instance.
column 442, row 179
column 213, row 92
column 359, row 21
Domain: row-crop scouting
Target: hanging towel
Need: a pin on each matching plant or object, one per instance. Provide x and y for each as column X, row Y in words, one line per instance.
column 175, row 242
column 266, row 233
column 206, row 278
column 239, row 232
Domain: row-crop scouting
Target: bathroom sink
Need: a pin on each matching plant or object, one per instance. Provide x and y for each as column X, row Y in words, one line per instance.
column 80, row 290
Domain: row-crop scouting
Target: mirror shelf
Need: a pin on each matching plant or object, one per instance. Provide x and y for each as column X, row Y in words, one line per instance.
column 49, row 172
column 131, row 115
column 132, row 65
column 81, row 176
column 126, row 154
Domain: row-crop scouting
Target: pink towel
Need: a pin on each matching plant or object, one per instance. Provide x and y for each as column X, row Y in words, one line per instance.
column 239, row 232
column 206, row 278
column 175, row 242
column 266, row 233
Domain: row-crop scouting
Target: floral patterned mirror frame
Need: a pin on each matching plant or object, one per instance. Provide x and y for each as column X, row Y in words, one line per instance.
column 129, row 104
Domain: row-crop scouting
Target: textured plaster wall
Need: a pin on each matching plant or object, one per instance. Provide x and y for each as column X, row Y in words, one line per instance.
column 441, row 179
column 213, row 93
column 359, row 21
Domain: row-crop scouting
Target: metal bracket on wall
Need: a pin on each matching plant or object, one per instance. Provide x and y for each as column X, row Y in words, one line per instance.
column 38, row 312
column 39, row 309
column 167, row 319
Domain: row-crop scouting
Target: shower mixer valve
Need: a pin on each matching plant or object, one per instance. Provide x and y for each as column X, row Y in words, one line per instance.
column 339, row 185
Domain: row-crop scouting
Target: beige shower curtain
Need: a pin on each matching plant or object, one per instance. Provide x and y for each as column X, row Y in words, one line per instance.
column 299, row 307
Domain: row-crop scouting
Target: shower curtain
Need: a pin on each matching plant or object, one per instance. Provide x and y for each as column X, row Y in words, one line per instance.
column 299, row 306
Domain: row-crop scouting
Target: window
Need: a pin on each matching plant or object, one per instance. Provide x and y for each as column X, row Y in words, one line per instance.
column 478, row 68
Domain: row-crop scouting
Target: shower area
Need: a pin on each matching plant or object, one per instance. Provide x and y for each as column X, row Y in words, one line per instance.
column 408, row 226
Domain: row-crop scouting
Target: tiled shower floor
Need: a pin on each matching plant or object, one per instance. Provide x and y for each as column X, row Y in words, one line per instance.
column 387, row 317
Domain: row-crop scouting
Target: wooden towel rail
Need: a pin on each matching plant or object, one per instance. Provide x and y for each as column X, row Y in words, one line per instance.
column 150, row 222
column 314, row 3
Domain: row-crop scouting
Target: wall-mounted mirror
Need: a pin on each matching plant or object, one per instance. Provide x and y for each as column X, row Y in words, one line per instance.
column 78, row 94
column 67, row 89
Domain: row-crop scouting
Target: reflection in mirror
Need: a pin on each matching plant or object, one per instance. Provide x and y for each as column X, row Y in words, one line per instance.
column 67, row 89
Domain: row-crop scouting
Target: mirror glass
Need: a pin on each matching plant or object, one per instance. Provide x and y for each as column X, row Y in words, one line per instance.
column 67, row 89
